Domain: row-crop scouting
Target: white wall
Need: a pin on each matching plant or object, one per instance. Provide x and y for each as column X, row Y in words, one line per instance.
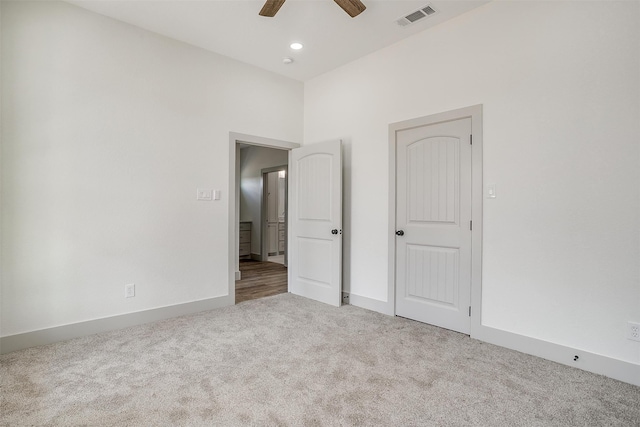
column 252, row 160
column 560, row 85
column 107, row 131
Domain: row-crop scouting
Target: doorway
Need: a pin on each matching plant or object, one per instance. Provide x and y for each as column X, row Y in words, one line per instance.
column 262, row 221
column 315, row 227
column 274, row 214
column 245, row 215
column 436, row 218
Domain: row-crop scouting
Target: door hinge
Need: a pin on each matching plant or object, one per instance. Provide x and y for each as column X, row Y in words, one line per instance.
column 471, row 139
column 470, row 225
column 469, row 311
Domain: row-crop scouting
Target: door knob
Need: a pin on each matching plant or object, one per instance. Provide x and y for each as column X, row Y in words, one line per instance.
column 334, row 231
column 399, row 233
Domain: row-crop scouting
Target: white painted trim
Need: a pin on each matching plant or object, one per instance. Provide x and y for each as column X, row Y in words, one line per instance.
column 371, row 304
column 234, row 216
column 477, row 191
column 391, row 228
column 76, row 330
column 613, row 368
column 234, row 189
column 261, row 141
column 475, row 113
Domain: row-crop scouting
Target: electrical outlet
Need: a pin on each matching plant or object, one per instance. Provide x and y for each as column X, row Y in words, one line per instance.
column 345, row 298
column 130, row 290
column 633, row 332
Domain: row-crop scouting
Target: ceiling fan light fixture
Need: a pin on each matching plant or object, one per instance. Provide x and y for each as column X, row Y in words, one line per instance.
column 296, row 46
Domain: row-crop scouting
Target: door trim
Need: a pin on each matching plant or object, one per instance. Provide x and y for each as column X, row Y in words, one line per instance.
column 233, row 236
column 475, row 113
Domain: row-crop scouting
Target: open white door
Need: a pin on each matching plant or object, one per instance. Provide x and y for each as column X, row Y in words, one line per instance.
column 315, row 215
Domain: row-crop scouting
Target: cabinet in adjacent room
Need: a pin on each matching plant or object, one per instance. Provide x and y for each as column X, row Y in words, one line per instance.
column 281, row 237
column 245, row 240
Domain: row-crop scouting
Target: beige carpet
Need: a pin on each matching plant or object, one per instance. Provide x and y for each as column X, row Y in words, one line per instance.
column 288, row 361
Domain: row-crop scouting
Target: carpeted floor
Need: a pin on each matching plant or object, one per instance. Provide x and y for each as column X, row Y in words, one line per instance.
column 289, row 361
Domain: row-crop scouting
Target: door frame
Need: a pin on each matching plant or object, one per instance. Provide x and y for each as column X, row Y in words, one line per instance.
column 235, row 140
column 264, row 249
column 475, row 113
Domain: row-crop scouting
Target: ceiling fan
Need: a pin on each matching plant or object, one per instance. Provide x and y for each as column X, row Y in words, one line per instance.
column 352, row 7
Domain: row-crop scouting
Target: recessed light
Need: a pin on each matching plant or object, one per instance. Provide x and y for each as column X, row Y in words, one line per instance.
column 287, row 60
column 296, row 46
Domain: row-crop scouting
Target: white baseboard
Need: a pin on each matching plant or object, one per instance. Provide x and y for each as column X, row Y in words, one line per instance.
column 609, row 367
column 371, row 304
column 598, row 364
column 76, row 330
column 238, row 275
column 613, row 368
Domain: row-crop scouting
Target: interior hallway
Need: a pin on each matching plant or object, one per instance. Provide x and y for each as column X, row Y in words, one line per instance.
column 260, row 279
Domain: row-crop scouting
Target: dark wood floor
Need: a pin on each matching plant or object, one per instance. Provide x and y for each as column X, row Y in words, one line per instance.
column 260, row 279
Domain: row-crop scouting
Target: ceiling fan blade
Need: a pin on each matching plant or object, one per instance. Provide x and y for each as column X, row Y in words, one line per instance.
column 352, row 7
column 271, row 7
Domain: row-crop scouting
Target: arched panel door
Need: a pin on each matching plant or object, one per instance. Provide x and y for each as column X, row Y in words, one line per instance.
column 433, row 223
column 315, row 213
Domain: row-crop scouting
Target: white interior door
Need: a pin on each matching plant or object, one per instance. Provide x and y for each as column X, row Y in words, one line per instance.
column 433, row 223
column 315, row 215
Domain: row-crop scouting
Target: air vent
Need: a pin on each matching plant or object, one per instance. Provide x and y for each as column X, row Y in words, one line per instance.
column 429, row 10
column 415, row 16
column 419, row 14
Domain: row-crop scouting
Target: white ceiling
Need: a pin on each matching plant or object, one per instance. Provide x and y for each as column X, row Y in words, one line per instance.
column 233, row 28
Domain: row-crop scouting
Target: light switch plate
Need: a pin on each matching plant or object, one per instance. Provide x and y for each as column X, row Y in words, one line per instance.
column 216, row 194
column 491, row 191
column 204, row 194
